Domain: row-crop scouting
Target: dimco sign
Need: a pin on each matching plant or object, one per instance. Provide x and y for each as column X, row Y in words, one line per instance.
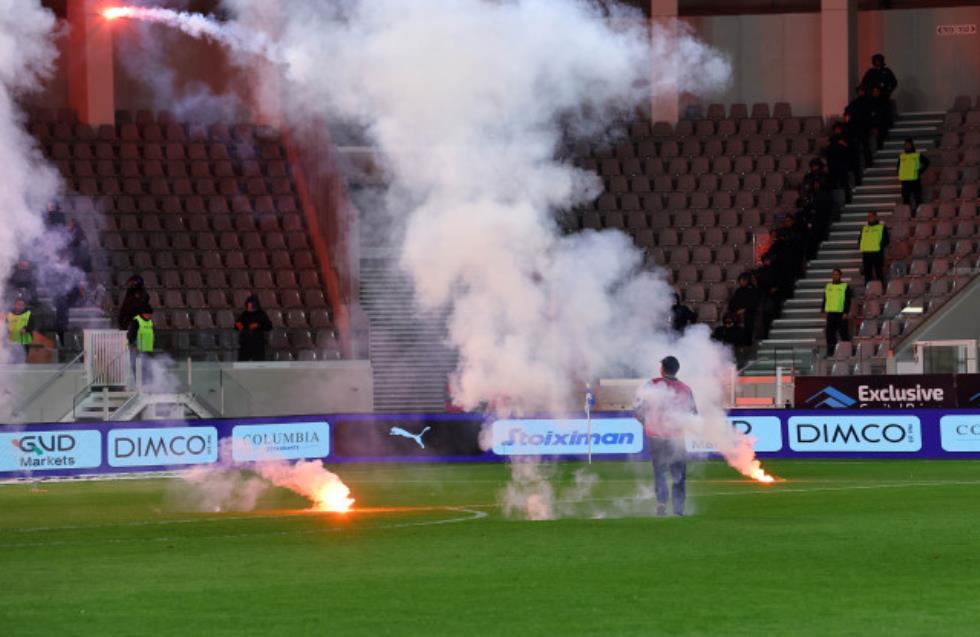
column 162, row 446
column 566, row 437
column 875, row 392
column 280, row 441
column 883, row 433
column 765, row 430
column 50, row 450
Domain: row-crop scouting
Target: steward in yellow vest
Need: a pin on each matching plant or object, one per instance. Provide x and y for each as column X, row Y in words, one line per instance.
column 140, row 334
column 872, row 243
column 20, row 325
column 837, row 307
column 911, row 164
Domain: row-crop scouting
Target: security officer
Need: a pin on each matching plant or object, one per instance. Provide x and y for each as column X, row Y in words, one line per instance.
column 837, row 306
column 872, row 244
column 140, row 337
column 911, row 164
column 20, row 325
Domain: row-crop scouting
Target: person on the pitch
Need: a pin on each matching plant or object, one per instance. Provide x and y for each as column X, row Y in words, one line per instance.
column 658, row 404
column 837, row 307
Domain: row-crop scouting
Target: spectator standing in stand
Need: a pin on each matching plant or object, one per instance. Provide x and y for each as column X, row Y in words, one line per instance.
column 837, row 308
column 910, row 166
column 860, row 111
column 872, row 243
column 136, row 298
column 681, row 315
column 252, row 326
column 880, row 83
column 742, row 306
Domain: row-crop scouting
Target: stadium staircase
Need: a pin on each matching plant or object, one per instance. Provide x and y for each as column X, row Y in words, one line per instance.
column 409, row 356
column 796, row 337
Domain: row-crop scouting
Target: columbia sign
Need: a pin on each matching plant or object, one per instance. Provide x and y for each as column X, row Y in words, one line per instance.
column 567, row 437
column 283, row 441
column 875, row 434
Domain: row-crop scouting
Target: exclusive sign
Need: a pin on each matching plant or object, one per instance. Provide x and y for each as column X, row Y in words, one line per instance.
column 875, row 392
column 280, row 441
column 408, row 438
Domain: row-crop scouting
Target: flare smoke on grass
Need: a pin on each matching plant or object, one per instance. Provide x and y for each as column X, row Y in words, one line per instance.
column 468, row 103
column 231, row 487
column 27, row 55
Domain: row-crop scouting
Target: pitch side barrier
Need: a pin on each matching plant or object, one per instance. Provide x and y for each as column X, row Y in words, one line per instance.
column 58, row 449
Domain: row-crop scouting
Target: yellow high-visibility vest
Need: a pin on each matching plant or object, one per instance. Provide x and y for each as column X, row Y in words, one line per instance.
column 908, row 166
column 144, row 334
column 834, row 295
column 17, row 328
column 871, row 237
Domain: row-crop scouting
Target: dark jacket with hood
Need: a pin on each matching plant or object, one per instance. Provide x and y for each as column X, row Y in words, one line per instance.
column 136, row 298
column 251, row 340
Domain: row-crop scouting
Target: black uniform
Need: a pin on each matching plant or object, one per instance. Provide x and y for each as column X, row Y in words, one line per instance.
column 251, row 340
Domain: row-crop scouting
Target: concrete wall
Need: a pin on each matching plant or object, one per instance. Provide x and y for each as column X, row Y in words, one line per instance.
column 932, row 70
column 957, row 319
column 255, row 389
column 775, row 58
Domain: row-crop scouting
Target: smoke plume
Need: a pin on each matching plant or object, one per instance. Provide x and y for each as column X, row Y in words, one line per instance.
column 469, row 103
column 27, row 55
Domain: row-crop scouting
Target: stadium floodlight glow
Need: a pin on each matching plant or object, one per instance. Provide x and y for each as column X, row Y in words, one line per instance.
column 912, row 309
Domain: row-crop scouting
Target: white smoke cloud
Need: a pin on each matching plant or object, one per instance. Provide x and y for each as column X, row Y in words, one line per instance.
column 27, row 55
column 467, row 103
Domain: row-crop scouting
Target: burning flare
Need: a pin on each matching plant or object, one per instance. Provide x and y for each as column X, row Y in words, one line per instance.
column 113, row 13
column 310, row 479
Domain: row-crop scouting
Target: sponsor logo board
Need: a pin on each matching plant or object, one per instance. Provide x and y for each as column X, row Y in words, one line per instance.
column 162, row 446
column 855, row 433
column 50, row 450
column 283, row 441
column 766, row 430
column 960, row 433
column 876, row 392
column 532, row 437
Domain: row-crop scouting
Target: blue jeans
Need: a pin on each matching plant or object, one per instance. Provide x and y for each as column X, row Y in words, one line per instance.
column 669, row 454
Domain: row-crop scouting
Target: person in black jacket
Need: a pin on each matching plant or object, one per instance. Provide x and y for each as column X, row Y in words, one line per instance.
column 252, row 326
column 136, row 298
column 681, row 315
column 880, row 83
column 742, row 307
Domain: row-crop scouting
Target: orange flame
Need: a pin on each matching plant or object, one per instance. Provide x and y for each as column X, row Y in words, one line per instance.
column 114, row 13
column 333, row 497
column 759, row 475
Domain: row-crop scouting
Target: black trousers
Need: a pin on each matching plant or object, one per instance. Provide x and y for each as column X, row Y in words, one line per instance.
column 873, row 266
column 837, row 327
column 912, row 190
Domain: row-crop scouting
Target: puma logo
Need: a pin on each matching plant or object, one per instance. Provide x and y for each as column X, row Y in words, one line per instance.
column 398, row 431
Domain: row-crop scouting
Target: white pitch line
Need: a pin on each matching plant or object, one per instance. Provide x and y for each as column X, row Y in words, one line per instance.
column 472, row 515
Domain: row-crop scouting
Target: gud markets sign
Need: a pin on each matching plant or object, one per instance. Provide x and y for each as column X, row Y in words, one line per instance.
column 884, row 433
column 766, row 432
column 50, row 450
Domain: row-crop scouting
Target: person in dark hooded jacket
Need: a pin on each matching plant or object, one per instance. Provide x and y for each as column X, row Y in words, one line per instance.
column 252, row 326
column 136, row 298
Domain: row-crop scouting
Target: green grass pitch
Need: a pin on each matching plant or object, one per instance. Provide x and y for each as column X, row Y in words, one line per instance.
column 840, row 548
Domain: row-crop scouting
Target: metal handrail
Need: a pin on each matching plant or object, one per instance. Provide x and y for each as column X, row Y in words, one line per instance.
column 98, row 380
column 19, row 409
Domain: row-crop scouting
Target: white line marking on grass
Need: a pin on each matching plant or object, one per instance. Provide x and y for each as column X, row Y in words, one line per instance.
column 471, row 515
